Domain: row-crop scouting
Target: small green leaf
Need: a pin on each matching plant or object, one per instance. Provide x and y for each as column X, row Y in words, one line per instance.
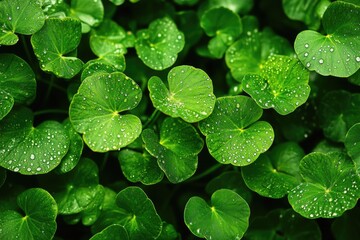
column 226, row 218
column 331, row 186
column 75, row 191
column 95, row 111
column 276, row 172
column 90, row 12
column 8, row 37
column 241, row 7
column 37, row 221
column 168, row 232
column 53, row 42
column 140, row 167
column 24, row 17
column 97, row 66
column 352, row 145
column 282, row 84
column 113, row 232
column 233, row 134
column 159, row 45
column 338, row 52
column 31, row 150
column 176, row 150
column 336, row 117
column 189, row 96
column 17, row 79
column 117, row 2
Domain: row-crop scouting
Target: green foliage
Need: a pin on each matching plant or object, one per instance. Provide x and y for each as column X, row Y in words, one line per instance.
column 181, row 119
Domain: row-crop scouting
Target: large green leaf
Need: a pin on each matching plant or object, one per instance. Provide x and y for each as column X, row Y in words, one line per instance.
column 233, row 133
column 282, row 84
column 331, row 186
column 96, row 111
column 112, row 232
column 159, row 45
column 189, row 96
column 54, row 44
column 176, row 149
column 337, row 52
column 31, row 150
column 36, row 221
column 276, row 172
column 19, row 16
column 226, row 218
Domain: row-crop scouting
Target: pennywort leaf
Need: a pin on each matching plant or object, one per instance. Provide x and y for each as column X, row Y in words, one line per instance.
column 91, row 13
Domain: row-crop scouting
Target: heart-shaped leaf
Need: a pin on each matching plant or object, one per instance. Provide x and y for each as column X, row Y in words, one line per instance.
column 37, row 221
column 250, row 52
column 113, row 232
column 338, row 52
column 159, row 45
column 95, row 111
column 233, row 134
column 31, row 150
column 352, row 144
column 76, row 190
column 337, row 117
column 282, row 84
column 176, row 149
column 190, row 94
column 140, row 167
column 226, row 218
column 276, row 172
column 58, row 38
column 17, row 79
column 18, row 16
column 331, row 186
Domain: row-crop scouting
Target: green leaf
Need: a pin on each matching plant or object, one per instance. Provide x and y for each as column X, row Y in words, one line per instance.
column 57, row 39
column 31, row 150
column 241, row 7
column 331, row 186
column 189, row 96
column 224, row 26
column 283, row 224
column 17, row 79
column 250, row 52
column 73, row 155
column 226, row 218
column 159, row 45
column 140, row 167
column 308, row 11
column 176, row 150
column 229, row 180
column 90, row 12
column 37, row 221
column 282, row 84
column 336, row 117
column 352, row 145
column 168, row 232
column 276, row 172
column 113, row 232
column 233, row 134
column 75, row 191
column 98, row 66
column 7, row 37
column 95, row 111
column 337, row 52
column 117, row 2
column 6, row 103
column 19, row 16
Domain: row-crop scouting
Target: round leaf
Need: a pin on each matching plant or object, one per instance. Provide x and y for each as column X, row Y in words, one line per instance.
column 282, row 84
column 352, row 144
column 90, row 12
column 338, row 52
column 233, row 134
column 16, row 79
column 176, row 150
column 7, row 37
column 276, row 172
column 58, row 38
column 331, row 186
column 140, row 167
column 190, row 94
column 226, row 218
column 141, row 219
column 95, row 111
column 37, row 221
column 113, row 232
column 159, row 45
column 31, row 150
column 24, row 17
column 97, row 66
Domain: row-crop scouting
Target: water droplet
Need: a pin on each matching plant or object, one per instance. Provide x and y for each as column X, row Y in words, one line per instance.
column 308, row 65
column 358, row 59
column 306, row 45
column 321, row 61
column 306, row 54
column 331, row 49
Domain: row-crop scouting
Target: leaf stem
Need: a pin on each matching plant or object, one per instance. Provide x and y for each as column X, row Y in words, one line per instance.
column 152, row 118
column 49, row 111
column 27, row 51
column 104, row 161
column 50, row 87
column 205, row 173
